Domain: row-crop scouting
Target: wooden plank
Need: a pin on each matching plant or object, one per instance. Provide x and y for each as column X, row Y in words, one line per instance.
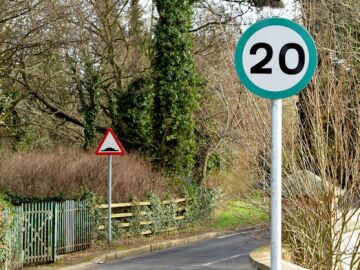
column 170, row 229
column 145, row 222
column 174, row 201
column 123, row 215
column 123, row 205
column 146, row 203
column 126, row 224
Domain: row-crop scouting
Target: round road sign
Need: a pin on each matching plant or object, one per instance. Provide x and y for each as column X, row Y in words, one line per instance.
column 275, row 58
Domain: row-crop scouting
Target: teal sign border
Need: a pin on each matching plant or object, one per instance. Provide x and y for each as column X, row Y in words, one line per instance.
column 297, row 87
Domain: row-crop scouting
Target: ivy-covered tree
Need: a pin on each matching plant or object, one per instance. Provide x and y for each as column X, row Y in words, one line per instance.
column 135, row 107
column 88, row 83
column 175, row 90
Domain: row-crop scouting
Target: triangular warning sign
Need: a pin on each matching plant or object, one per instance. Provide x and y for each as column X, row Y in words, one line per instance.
column 110, row 145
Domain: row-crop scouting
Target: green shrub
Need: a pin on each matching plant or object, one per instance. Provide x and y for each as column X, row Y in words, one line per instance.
column 17, row 199
column 135, row 107
column 162, row 216
column 97, row 215
column 201, row 201
column 176, row 86
column 6, row 222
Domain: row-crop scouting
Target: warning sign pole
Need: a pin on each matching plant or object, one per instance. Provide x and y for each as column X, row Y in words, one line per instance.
column 110, row 146
column 109, row 199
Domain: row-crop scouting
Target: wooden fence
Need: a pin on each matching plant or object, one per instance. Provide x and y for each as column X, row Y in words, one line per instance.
column 123, row 212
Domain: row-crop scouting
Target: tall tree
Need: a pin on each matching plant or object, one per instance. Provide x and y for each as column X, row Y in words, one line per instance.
column 175, row 88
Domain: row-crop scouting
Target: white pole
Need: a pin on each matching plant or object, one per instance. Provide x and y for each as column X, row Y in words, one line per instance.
column 276, row 164
column 109, row 199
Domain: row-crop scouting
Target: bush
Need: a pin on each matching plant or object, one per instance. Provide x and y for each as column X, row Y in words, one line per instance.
column 201, row 201
column 5, row 229
column 67, row 172
column 135, row 111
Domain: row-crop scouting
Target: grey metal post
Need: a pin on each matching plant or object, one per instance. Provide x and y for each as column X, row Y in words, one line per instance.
column 109, row 199
column 263, row 165
column 276, row 163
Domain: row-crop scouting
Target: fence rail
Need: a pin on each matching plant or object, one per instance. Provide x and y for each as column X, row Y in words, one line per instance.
column 123, row 212
column 146, row 203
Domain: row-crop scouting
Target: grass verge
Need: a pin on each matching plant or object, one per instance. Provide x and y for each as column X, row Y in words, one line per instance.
column 237, row 214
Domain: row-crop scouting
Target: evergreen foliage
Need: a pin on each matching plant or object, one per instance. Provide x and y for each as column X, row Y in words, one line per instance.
column 88, row 83
column 6, row 220
column 175, row 90
column 135, row 107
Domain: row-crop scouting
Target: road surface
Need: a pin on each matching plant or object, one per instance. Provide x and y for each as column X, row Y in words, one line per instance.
column 226, row 252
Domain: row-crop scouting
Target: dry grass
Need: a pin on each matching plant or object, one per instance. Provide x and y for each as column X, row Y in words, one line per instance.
column 68, row 171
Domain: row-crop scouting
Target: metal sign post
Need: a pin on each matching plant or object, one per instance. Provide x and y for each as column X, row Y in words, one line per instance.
column 276, row 136
column 109, row 199
column 110, row 146
column 275, row 58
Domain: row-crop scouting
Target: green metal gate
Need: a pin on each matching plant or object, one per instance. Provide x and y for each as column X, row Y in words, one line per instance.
column 73, row 227
column 43, row 230
column 39, row 235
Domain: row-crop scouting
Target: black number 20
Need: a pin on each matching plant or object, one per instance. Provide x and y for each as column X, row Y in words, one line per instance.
column 259, row 67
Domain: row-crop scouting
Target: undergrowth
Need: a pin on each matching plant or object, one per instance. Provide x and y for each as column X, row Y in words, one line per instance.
column 66, row 173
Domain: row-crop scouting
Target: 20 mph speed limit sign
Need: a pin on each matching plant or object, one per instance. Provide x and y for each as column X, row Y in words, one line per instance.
column 275, row 58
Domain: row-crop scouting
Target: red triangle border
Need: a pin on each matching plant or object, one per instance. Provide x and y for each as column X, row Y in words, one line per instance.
column 98, row 152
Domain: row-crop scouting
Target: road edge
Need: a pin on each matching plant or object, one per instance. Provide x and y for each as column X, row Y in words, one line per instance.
column 148, row 248
column 260, row 259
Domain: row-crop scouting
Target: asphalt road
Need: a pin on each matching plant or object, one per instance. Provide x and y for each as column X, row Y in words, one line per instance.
column 226, row 252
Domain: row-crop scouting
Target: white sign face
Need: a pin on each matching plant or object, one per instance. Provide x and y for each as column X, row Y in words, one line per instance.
column 110, row 145
column 275, row 58
column 262, row 63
